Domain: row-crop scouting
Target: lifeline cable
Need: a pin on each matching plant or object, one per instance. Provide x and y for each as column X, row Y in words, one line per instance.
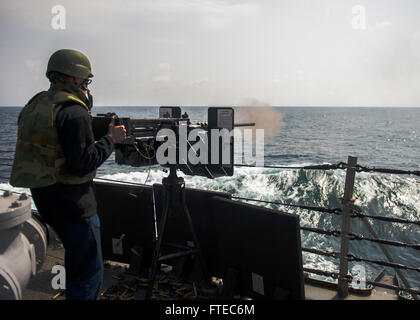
column 332, row 254
column 320, row 209
column 340, row 165
column 359, row 214
column 353, row 236
column 335, row 233
column 337, row 211
column 353, row 257
column 360, row 168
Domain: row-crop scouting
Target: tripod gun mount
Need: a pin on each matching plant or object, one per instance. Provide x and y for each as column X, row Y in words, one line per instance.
column 174, row 197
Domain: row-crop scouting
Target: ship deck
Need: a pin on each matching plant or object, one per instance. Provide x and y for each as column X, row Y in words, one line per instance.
column 118, row 284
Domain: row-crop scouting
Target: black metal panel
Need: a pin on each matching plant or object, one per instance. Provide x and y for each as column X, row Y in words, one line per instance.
column 232, row 234
column 169, row 112
column 126, row 213
column 128, row 210
column 221, row 118
column 258, row 240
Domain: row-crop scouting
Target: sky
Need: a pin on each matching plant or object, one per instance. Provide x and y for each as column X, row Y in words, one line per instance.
column 219, row 53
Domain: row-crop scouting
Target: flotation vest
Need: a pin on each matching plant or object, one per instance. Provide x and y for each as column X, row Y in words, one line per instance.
column 39, row 159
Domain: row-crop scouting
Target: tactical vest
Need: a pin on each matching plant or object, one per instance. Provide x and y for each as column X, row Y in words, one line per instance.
column 39, row 159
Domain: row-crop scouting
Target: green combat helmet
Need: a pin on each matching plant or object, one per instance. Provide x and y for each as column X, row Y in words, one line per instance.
column 70, row 62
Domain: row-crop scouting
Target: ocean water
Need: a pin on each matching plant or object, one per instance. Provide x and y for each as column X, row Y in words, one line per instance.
column 379, row 137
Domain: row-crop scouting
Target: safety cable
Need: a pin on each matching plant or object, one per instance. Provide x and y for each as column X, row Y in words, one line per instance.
column 353, row 236
column 340, row 165
column 314, row 208
column 359, row 214
column 352, row 257
column 335, row 233
column 355, row 213
column 360, row 168
column 330, row 274
column 332, row 254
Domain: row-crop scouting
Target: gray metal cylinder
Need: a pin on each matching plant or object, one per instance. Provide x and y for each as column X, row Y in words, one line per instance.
column 36, row 233
column 17, row 254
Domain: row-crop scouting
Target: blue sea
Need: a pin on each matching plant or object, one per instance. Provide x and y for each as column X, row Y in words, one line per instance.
column 379, row 137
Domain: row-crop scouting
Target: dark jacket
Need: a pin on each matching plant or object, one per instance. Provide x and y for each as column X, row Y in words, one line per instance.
column 62, row 202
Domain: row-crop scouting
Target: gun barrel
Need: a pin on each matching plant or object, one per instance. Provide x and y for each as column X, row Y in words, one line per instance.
column 244, row 124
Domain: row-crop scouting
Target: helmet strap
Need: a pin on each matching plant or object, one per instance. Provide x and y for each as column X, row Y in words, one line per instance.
column 77, row 90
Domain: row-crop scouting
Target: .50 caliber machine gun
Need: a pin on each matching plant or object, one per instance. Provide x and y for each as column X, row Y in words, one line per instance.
column 196, row 148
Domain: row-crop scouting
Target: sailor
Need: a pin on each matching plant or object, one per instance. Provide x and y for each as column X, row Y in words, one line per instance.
column 56, row 157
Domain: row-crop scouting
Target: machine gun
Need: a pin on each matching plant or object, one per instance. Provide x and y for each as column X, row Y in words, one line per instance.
column 169, row 137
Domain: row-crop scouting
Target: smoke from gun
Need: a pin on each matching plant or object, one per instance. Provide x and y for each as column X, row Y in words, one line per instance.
column 262, row 114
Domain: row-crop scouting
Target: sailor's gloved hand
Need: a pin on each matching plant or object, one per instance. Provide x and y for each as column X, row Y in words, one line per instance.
column 116, row 133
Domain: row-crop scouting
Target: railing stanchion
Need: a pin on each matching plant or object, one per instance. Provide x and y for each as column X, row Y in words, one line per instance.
column 343, row 285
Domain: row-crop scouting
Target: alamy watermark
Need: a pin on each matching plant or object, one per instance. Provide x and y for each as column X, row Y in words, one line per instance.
column 358, row 21
column 59, row 280
column 58, row 21
column 194, row 146
column 359, row 277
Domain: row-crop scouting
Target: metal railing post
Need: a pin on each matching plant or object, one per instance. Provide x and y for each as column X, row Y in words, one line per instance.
column 343, row 285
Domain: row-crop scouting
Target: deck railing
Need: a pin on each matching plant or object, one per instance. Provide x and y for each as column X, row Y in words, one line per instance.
column 348, row 211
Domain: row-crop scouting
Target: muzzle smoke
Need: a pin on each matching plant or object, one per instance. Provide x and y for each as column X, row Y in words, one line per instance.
column 262, row 114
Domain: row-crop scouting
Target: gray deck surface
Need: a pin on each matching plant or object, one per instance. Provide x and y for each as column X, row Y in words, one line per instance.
column 40, row 288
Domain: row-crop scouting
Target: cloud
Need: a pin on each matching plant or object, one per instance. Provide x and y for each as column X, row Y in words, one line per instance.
column 202, row 82
column 33, row 64
column 216, row 51
column 380, row 26
column 163, row 66
column 219, row 14
column 384, row 24
column 206, row 13
column 162, row 78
